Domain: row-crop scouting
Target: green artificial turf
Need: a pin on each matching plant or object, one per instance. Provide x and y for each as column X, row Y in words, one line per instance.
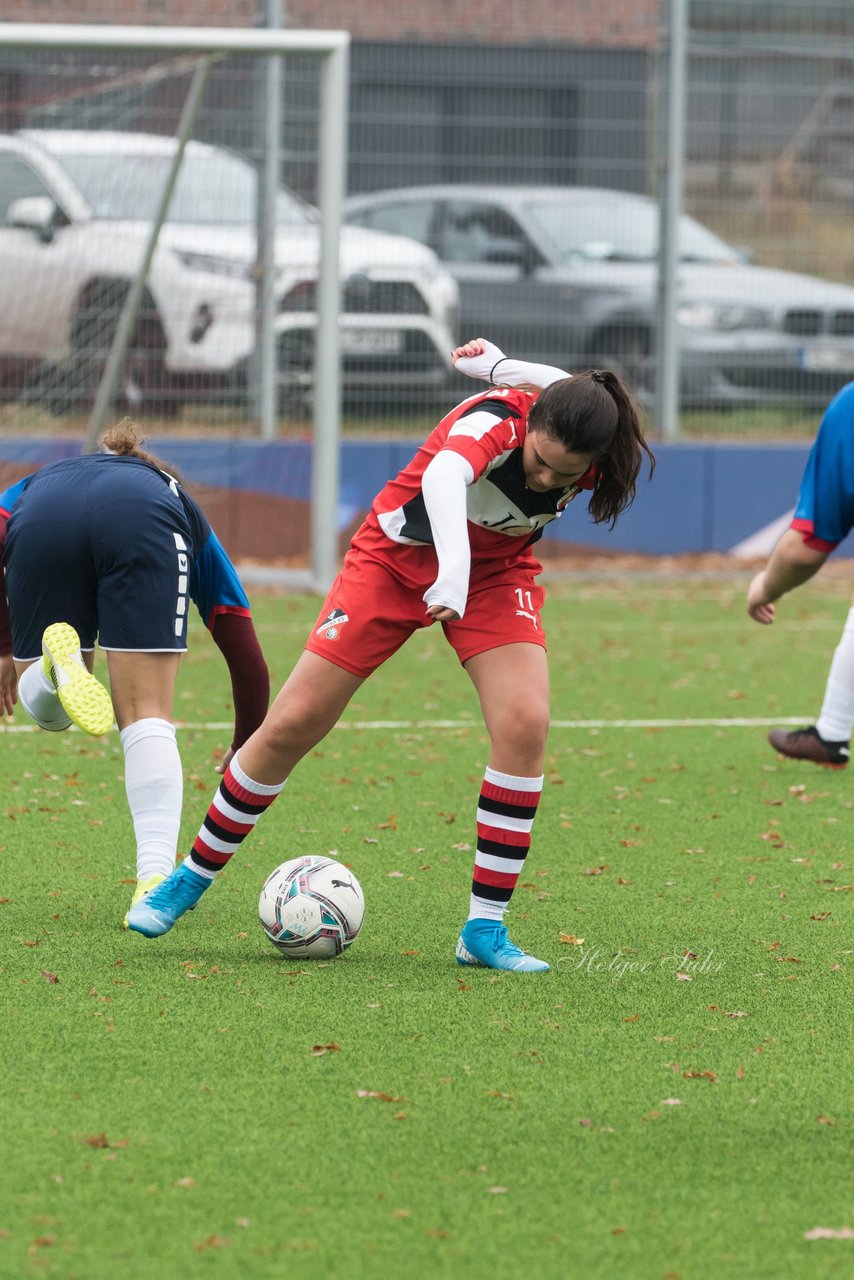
column 672, row 1100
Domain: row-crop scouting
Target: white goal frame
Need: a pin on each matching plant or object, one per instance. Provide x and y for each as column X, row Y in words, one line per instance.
column 333, row 48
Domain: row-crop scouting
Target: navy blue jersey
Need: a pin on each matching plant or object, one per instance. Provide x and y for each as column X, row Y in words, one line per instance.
column 213, row 585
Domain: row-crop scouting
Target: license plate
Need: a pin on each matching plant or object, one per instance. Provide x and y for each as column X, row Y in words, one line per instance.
column 823, row 358
column 371, row 341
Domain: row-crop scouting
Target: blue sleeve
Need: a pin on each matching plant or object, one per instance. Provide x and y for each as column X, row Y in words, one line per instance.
column 826, row 500
column 214, row 585
column 10, row 496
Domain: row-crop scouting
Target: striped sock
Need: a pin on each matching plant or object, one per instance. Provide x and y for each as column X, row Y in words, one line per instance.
column 505, row 816
column 236, row 807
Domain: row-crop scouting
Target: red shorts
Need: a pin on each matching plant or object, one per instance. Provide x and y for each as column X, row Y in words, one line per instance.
column 373, row 607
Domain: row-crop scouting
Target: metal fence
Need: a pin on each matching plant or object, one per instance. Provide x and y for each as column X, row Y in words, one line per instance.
column 518, row 188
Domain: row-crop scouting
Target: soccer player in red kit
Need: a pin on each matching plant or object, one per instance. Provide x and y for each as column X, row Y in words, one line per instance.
column 449, row 540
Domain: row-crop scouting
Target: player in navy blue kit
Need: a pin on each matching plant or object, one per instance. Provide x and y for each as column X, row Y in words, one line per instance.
column 823, row 517
column 449, row 540
column 110, row 547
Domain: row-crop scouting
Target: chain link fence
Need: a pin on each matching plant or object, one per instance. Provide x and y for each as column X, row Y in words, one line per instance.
column 504, row 178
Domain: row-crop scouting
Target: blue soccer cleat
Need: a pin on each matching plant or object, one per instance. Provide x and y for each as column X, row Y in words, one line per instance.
column 156, row 913
column 484, row 944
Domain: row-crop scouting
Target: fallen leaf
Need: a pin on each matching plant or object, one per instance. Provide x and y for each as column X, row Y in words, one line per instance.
column 671, row 1102
column 736, row 1013
column 212, row 1242
column 831, row 1120
column 699, row 1075
column 49, row 977
column 829, row 1233
column 319, row 1049
column 96, row 1140
column 596, row 871
column 632, row 1017
column 570, row 939
column 185, row 1182
column 497, row 1191
column 684, row 977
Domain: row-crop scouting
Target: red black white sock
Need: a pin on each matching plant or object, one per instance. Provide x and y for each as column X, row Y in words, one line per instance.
column 236, row 807
column 505, row 816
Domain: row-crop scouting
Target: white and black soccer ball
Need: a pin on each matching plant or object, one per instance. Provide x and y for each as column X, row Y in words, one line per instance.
column 311, row 907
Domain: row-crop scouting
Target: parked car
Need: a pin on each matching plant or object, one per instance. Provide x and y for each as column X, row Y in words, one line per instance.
column 75, row 212
column 568, row 275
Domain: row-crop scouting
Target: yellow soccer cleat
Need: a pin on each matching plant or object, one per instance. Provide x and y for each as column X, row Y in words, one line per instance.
column 84, row 698
column 142, row 888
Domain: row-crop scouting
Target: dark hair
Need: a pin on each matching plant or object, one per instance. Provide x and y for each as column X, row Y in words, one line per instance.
column 123, row 440
column 594, row 413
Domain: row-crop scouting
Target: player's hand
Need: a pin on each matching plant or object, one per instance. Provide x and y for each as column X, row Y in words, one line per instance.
column 760, row 608
column 8, row 685
column 225, row 761
column 442, row 613
column 475, row 347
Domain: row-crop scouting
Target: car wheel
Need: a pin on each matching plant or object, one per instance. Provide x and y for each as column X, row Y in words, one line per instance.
column 144, row 388
column 628, row 351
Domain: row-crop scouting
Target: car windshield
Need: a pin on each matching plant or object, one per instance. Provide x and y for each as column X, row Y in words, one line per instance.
column 213, row 189
column 602, row 230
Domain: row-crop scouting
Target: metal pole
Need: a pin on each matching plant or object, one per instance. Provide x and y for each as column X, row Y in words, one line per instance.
column 327, row 368
column 264, row 363
column 671, row 209
column 109, row 380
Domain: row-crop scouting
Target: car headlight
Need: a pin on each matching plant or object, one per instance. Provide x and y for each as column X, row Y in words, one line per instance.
column 217, row 266
column 712, row 315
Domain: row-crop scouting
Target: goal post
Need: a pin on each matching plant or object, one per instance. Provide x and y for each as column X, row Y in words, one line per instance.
column 332, row 48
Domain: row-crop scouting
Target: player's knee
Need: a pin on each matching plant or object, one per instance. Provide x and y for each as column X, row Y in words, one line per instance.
column 290, row 731
column 524, row 729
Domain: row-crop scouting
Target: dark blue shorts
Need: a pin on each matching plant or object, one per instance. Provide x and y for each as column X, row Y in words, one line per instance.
column 105, row 547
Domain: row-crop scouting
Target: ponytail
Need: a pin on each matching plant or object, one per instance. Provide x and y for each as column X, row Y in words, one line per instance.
column 594, row 413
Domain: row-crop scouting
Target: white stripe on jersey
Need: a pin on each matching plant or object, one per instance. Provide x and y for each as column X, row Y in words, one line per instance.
column 476, row 425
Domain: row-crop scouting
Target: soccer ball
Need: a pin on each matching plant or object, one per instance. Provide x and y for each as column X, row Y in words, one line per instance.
column 311, row 906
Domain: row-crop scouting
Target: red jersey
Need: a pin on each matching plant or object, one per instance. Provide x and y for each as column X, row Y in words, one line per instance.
column 504, row 516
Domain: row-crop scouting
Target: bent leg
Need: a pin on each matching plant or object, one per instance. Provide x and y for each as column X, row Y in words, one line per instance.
column 39, row 696
column 309, row 704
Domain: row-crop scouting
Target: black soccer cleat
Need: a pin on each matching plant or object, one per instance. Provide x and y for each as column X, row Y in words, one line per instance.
column 808, row 744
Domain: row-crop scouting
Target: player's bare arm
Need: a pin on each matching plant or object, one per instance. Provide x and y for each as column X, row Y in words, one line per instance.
column 792, row 563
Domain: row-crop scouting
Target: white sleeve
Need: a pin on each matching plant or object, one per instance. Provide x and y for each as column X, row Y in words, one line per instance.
column 444, row 485
column 495, row 367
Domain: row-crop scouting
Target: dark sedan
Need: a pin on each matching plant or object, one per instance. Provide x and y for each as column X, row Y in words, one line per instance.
column 568, row 275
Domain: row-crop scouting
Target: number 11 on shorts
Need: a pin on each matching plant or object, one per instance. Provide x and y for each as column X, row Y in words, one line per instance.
column 526, row 605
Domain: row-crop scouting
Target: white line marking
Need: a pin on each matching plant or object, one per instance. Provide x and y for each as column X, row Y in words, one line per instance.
column 734, row 722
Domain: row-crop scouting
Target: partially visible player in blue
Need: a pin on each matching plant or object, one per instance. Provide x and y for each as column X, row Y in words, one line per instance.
column 823, row 517
column 110, row 547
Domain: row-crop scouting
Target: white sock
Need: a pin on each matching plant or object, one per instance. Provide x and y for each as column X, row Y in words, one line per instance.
column 154, row 784
column 39, row 699
column 837, row 712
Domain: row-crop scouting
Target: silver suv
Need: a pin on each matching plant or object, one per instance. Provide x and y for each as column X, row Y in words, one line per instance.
column 75, row 210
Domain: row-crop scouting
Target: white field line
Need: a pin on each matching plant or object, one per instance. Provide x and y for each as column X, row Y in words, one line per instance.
column 733, row 722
